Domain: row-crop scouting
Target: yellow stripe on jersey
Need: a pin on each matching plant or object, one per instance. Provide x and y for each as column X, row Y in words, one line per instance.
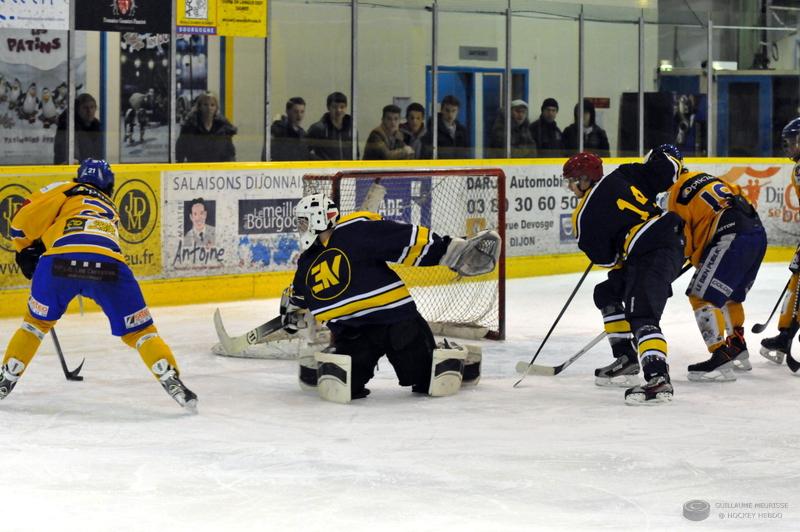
column 415, row 249
column 374, row 302
column 576, row 214
column 359, row 214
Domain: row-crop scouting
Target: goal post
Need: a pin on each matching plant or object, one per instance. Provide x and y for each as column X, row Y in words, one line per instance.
column 455, row 202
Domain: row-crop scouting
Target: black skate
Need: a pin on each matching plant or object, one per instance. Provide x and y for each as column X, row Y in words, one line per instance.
column 657, row 390
column 623, row 371
column 718, row 368
column 776, row 348
column 9, row 375
column 738, row 346
column 168, row 378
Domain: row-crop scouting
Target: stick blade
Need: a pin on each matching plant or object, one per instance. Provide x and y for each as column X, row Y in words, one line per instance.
column 758, row 328
column 526, row 368
column 228, row 344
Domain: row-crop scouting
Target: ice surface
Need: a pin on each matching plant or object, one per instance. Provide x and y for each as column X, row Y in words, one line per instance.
column 115, row 453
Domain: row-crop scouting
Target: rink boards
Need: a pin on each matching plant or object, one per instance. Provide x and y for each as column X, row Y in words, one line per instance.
column 254, row 247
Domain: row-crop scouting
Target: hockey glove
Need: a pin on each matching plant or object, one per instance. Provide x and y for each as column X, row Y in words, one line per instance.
column 292, row 315
column 794, row 266
column 28, row 258
column 474, row 256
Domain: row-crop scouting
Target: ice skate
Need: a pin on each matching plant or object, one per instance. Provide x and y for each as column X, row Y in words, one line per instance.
column 9, row 375
column 737, row 343
column 776, row 348
column 657, row 390
column 623, row 371
column 718, row 368
column 168, row 378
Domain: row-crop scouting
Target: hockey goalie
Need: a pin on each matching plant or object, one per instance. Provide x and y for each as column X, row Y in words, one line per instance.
column 343, row 279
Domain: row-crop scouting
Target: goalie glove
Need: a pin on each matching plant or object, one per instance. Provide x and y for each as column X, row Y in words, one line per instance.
column 794, row 266
column 476, row 255
column 292, row 315
column 28, row 258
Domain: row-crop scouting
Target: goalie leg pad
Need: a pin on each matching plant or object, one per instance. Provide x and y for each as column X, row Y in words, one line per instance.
column 334, row 377
column 307, row 372
column 447, row 371
column 472, row 366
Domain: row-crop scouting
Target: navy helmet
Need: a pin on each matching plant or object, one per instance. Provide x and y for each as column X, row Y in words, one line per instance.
column 789, row 136
column 96, row 172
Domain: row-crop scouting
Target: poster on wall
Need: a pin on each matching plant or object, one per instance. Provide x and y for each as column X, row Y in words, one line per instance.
column 123, row 15
column 47, row 15
column 191, row 72
column 232, row 18
column 144, row 93
column 222, row 222
column 34, row 92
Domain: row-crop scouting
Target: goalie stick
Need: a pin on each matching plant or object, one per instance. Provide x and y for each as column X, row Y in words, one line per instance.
column 238, row 344
column 550, row 371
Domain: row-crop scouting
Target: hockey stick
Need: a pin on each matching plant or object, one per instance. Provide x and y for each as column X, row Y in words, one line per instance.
column 758, row 328
column 238, row 344
column 70, row 375
column 536, row 369
column 564, row 309
column 794, row 364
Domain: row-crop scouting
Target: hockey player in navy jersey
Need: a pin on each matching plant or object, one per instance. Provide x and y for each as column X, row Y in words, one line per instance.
column 343, row 279
column 67, row 243
column 619, row 227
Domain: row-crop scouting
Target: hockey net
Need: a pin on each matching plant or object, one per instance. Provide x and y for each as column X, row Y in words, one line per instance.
column 455, row 202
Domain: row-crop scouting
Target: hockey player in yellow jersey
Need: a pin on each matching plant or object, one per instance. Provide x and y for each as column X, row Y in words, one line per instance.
column 725, row 242
column 780, row 346
column 67, row 243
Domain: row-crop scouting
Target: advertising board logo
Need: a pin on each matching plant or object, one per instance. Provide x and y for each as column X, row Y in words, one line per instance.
column 329, row 274
column 124, row 7
column 138, row 210
column 565, row 229
column 407, row 199
column 267, row 216
column 11, row 199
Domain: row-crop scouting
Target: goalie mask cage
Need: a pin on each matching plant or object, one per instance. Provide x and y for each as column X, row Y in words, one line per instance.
column 451, row 202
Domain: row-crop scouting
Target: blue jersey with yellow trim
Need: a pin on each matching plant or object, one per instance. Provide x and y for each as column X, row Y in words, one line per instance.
column 347, row 282
column 68, row 218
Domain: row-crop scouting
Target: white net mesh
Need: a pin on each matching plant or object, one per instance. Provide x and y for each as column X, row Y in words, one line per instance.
column 451, row 202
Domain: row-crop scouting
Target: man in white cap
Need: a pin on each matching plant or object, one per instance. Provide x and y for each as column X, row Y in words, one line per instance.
column 522, row 143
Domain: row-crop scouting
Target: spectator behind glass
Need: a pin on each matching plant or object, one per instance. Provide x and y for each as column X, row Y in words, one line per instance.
column 331, row 138
column 386, row 141
column 206, row 136
column 545, row 131
column 413, row 129
column 89, row 139
column 595, row 139
column 288, row 137
column 453, row 139
column 522, row 143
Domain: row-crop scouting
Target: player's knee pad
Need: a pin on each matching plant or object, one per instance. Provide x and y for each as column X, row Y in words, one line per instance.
column 447, row 370
column 35, row 326
column 307, row 367
column 472, row 366
column 711, row 323
column 137, row 339
column 150, row 345
column 334, row 377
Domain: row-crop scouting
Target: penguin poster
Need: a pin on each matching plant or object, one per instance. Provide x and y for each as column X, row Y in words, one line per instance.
column 33, row 81
column 144, row 92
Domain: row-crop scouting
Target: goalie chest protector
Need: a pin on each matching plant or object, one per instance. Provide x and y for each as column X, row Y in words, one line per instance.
column 346, row 281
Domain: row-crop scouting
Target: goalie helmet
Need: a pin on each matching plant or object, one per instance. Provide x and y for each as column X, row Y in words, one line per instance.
column 790, row 136
column 315, row 213
column 97, row 173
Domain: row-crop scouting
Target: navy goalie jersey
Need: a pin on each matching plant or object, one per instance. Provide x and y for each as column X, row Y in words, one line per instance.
column 346, row 281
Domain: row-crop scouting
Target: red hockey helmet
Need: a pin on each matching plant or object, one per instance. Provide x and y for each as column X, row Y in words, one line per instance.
column 584, row 164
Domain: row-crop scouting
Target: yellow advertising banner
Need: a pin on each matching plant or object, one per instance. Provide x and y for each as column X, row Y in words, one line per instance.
column 230, row 18
column 138, row 199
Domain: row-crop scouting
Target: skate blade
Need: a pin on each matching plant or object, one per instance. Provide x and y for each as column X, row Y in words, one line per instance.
column 640, row 399
column 742, row 362
column 720, row 374
column 772, row 355
column 624, row 381
column 190, row 406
